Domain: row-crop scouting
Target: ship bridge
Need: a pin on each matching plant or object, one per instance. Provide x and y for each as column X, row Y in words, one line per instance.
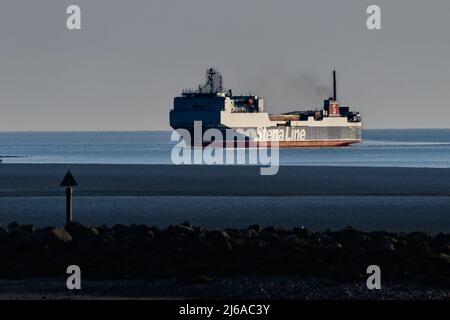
column 208, row 101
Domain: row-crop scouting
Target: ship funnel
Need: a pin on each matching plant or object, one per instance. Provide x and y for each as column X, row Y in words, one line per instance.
column 334, row 86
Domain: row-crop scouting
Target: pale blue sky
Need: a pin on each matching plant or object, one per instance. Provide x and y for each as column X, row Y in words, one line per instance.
column 122, row 70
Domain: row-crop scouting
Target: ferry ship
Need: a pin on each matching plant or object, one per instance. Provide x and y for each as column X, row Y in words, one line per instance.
column 245, row 115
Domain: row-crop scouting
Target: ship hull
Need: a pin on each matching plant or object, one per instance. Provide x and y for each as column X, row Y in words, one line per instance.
column 282, row 137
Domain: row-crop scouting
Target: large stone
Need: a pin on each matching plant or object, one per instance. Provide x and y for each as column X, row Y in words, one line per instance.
column 81, row 232
column 177, row 239
column 119, row 227
column 235, row 233
column 187, row 225
column 19, row 235
column 13, row 226
column 385, row 246
column 351, row 236
column 323, row 239
column 291, row 238
column 302, row 232
column 443, row 242
column 222, row 247
column 255, row 227
column 271, row 229
column 332, row 248
column 28, row 228
column 53, row 235
column 173, row 230
column 354, row 250
column 189, row 280
column 3, row 232
column 237, row 243
column 443, row 237
column 416, row 237
column 269, row 236
column 250, row 234
column 134, row 232
column 445, row 249
column 420, row 248
column 217, row 235
column 441, row 264
column 437, row 272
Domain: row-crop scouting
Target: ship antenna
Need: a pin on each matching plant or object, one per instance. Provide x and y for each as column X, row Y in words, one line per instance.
column 210, row 80
column 220, row 83
column 214, row 81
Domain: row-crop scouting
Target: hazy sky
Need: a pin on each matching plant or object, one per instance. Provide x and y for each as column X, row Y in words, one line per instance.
column 122, row 70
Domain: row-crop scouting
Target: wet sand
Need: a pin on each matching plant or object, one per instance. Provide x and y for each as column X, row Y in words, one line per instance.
column 167, row 180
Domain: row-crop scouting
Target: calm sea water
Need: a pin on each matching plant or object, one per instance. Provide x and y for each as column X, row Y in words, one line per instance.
column 381, row 148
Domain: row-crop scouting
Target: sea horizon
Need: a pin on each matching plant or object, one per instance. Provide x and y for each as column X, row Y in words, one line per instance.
column 418, row 148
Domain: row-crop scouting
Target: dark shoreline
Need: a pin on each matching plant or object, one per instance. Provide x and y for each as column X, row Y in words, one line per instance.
column 197, row 256
column 226, row 288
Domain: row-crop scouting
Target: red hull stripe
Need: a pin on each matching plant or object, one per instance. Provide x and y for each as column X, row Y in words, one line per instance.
column 283, row 144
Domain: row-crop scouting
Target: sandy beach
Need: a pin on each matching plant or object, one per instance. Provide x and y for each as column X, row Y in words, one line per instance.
column 168, row 180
